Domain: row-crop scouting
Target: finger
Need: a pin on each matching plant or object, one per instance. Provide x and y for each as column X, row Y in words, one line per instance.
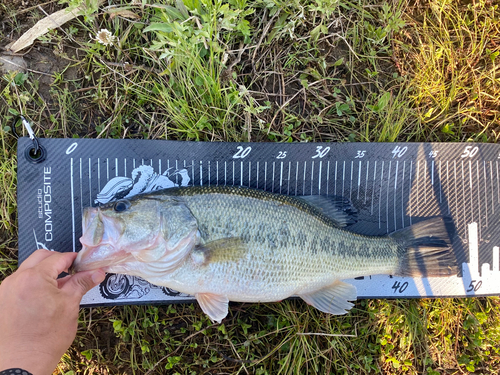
column 35, row 258
column 82, row 282
column 57, row 263
column 62, row 281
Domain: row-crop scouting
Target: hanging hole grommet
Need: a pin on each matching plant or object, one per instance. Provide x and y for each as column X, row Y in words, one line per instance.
column 35, row 154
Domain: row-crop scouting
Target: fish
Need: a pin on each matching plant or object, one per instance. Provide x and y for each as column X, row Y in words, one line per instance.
column 226, row 243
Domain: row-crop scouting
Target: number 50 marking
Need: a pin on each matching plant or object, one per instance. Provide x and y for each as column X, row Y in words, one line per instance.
column 469, row 152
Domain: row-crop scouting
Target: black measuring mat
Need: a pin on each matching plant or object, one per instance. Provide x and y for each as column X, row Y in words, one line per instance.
column 391, row 185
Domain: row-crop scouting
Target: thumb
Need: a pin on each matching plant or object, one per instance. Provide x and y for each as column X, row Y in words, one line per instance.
column 82, row 282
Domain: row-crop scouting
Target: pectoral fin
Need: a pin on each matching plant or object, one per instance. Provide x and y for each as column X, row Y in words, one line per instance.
column 333, row 299
column 224, row 250
column 214, row 305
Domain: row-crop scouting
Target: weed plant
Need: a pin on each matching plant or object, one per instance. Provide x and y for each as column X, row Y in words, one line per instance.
column 264, row 70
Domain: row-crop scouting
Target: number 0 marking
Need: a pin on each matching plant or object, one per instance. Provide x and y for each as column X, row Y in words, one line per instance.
column 71, row 148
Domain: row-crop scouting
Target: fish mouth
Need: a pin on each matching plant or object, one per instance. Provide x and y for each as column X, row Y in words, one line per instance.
column 100, row 233
column 103, row 256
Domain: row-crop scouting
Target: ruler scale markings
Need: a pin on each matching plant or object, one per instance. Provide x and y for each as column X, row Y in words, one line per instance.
column 319, row 179
column 72, row 204
column 249, row 174
column 116, row 167
column 350, row 188
column 99, row 174
column 335, row 192
column 296, row 177
column 424, row 174
column 440, row 184
column 241, row 173
column 176, row 169
column 209, row 175
column 312, row 174
column 217, row 171
column 201, row 171
column 366, row 180
column 498, row 185
column 225, row 173
column 409, row 192
column 159, row 166
column 491, row 184
column 343, row 179
column 418, row 187
column 432, row 173
column 265, row 175
column 133, row 164
column 470, row 191
column 289, row 170
column 359, row 178
column 455, row 183
column 380, row 197
column 402, row 195
column 81, row 188
column 478, row 182
column 258, row 174
column 447, row 187
column 327, row 176
column 387, row 196
column 395, row 193
column 90, row 181
column 125, row 167
column 373, row 186
column 192, row 170
column 304, row 179
column 233, row 172
column 463, row 196
column 485, row 192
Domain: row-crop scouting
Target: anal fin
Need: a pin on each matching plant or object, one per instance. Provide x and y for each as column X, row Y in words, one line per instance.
column 333, row 299
column 214, row 305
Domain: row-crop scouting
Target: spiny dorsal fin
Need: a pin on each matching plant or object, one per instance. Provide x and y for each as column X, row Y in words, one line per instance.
column 224, row 250
column 339, row 209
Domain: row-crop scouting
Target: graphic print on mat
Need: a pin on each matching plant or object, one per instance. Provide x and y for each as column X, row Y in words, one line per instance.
column 144, row 180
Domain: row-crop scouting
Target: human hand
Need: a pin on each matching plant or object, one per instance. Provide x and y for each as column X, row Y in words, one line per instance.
column 39, row 313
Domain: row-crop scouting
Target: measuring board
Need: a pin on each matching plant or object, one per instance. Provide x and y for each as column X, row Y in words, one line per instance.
column 392, row 185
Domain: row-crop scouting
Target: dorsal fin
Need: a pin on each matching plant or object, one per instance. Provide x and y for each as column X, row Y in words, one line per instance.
column 339, row 209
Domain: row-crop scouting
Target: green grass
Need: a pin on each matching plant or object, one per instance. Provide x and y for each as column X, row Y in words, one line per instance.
column 269, row 70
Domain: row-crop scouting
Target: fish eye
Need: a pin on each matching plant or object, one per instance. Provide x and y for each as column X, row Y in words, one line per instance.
column 121, row 206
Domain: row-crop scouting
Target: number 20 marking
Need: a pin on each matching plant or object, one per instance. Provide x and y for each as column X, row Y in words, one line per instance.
column 242, row 152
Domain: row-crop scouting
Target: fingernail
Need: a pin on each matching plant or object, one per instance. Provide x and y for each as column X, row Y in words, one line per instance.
column 98, row 276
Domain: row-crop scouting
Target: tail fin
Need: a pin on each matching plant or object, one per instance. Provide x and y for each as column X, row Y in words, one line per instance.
column 426, row 248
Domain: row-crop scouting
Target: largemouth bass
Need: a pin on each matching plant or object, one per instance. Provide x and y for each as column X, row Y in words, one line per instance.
column 224, row 244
